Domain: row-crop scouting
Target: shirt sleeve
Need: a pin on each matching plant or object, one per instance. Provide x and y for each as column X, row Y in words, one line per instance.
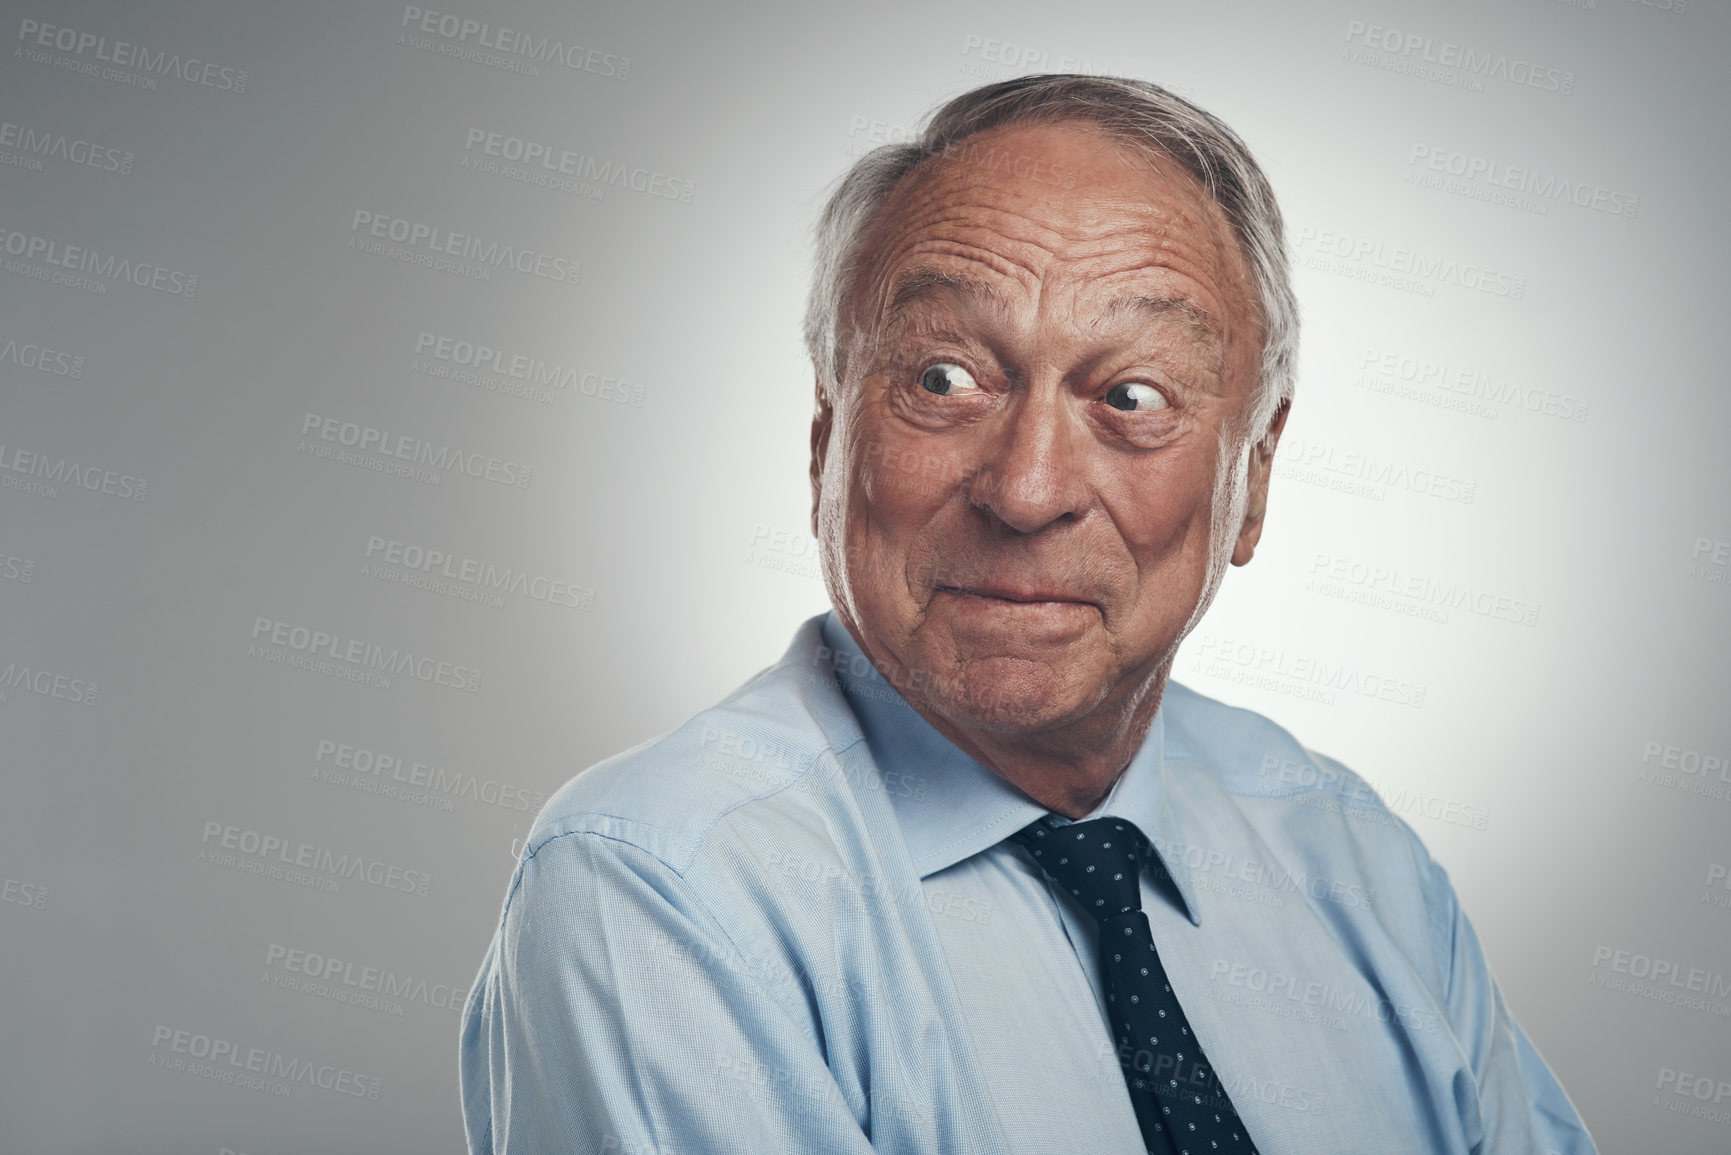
column 1521, row 1106
column 613, row 1014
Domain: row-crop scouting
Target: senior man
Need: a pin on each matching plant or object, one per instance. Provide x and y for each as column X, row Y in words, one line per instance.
column 965, row 872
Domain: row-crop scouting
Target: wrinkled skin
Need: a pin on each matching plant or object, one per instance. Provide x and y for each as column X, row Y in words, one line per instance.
column 1037, row 463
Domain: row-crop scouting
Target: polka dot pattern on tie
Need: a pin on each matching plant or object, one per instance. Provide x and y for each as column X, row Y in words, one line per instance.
column 1180, row 1104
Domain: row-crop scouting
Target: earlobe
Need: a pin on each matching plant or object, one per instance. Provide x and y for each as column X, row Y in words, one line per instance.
column 1256, row 504
column 822, row 420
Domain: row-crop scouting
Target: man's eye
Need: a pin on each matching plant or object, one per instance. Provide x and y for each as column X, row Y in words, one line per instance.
column 947, row 378
column 1134, row 396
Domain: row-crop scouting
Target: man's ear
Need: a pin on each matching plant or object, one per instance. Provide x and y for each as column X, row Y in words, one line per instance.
column 822, row 420
column 1261, row 466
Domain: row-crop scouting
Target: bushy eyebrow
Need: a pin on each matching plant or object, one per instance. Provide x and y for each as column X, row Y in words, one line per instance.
column 927, row 281
column 1196, row 319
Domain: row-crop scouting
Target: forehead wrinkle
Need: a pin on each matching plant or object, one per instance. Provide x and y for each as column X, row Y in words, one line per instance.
column 929, row 283
column 972, row 222
column 930, row 276
column 1176, row 214
column 1049, row 254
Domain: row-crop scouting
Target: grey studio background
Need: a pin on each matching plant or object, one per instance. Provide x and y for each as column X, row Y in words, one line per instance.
column 402, row 408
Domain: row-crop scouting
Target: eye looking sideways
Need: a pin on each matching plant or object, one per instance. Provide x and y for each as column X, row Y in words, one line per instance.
column 948, row 379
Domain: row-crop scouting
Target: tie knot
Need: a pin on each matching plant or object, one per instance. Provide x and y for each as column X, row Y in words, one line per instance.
column 1099, row 862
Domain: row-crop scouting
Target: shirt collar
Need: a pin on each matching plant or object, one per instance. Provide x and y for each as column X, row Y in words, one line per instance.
column 950, row 807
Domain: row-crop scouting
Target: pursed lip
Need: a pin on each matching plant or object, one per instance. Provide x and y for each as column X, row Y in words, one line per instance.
column 1021, row 594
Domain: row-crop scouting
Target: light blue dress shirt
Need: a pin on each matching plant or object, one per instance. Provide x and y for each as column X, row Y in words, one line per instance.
column 794, row 925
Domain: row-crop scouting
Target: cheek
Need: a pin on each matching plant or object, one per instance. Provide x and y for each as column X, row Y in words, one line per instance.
column 887, row 515
column 1167, row 514
column 899, row 487
column 892, row 497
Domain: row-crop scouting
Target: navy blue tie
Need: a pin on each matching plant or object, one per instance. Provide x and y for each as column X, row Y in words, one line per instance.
column 1180, row 1104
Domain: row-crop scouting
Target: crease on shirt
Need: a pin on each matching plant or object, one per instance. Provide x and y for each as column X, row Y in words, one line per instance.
column 1086, row 957
column 1446, row 969
column 1464, row 1088
column 740, row 961
column 622, row 974
column 702, row 838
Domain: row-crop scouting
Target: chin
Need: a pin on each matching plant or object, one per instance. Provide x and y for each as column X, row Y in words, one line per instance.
column 1009, row 696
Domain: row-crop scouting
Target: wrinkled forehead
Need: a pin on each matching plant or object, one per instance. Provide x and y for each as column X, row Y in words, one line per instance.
column 1062, row 213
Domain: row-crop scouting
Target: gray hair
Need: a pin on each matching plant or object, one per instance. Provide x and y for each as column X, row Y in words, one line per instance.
column 1141, row 114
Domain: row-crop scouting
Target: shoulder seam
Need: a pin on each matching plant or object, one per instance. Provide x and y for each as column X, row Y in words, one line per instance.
column 702, row 838
column 719, row 927
column 698, row 841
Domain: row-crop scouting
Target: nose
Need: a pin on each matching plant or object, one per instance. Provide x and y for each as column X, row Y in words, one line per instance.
column 1032, row 473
